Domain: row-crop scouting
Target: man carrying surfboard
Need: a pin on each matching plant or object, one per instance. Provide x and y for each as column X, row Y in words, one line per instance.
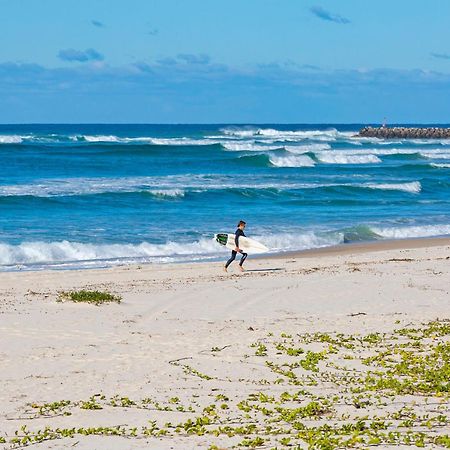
column 239, row 232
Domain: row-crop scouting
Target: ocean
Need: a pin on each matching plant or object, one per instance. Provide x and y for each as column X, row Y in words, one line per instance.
column 82, row 196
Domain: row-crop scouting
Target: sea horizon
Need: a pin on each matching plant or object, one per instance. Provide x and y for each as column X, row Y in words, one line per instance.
column 362, row 124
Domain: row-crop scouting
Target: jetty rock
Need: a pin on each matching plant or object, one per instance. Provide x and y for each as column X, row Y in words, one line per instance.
column 405, row 132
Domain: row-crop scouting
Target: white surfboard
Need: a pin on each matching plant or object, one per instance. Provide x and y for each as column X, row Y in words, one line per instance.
column 246, row 244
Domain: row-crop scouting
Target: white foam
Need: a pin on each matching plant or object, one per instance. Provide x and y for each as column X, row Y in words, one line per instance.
column 12, row 139
column 383, row 141
column 262, row 133
column 412, row 232
column 66, row 254
column 233, row 132
column 146, row 139
column 167, row 192
column 376, row 151
column 353, row 142
column 63, row 251
column 178, row 183
column 441, row 166
column 335, row 157
column 248, row 146
column 374, row 140
column 101, row 138
column 79, row 186
column 300, row 241
column 111, row 138
column 160, row 186
column 414, row 187
column 184, row 141
column 435, row 155
column 302, row 134
column 292, row 161
column 388, row 151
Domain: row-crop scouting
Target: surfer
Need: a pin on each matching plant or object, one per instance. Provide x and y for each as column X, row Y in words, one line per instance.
column 239, row 232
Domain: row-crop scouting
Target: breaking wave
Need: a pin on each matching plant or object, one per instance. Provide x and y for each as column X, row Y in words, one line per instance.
column 435, row 155
column 441, row 166
column 292, row 161
column 14, row 139
column 340, row 158
column 412, row 231
column 248, row 146
column 105, row 139
column 271, row 133
column 414, row 187
column 66, row 254
column 167, row 193
column 178, row 185
column 148, row 140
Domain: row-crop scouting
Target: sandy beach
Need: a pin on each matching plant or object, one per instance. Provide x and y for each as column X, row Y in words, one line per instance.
column 191, row 350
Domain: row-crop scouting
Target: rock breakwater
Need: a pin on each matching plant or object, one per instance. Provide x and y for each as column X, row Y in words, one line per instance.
column 405, row 132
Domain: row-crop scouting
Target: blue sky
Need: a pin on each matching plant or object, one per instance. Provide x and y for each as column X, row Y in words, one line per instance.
column 215, row 61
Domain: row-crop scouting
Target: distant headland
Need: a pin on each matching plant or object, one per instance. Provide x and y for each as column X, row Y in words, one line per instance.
column 384, row 132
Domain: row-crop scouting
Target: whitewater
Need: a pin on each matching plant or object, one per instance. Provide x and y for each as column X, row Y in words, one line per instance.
column 82, row 196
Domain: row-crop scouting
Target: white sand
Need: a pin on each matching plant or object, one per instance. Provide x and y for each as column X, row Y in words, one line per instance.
column 52, row 351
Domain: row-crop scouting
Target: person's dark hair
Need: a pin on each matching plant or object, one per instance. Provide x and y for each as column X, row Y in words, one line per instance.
column 241, row 222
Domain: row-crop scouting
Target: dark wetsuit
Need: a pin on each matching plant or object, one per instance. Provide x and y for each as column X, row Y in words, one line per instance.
column 238, row 234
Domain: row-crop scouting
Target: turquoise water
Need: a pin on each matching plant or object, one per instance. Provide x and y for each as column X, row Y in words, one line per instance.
column 98, row 195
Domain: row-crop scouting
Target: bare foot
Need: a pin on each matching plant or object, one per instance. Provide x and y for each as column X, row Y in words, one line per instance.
column 242, row 269
column 225, row 269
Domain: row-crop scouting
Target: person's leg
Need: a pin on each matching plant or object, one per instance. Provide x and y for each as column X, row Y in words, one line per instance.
column 232, row 258
column 243, row 258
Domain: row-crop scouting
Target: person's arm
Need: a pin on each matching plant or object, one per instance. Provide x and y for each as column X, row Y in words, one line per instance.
column 236, row 240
